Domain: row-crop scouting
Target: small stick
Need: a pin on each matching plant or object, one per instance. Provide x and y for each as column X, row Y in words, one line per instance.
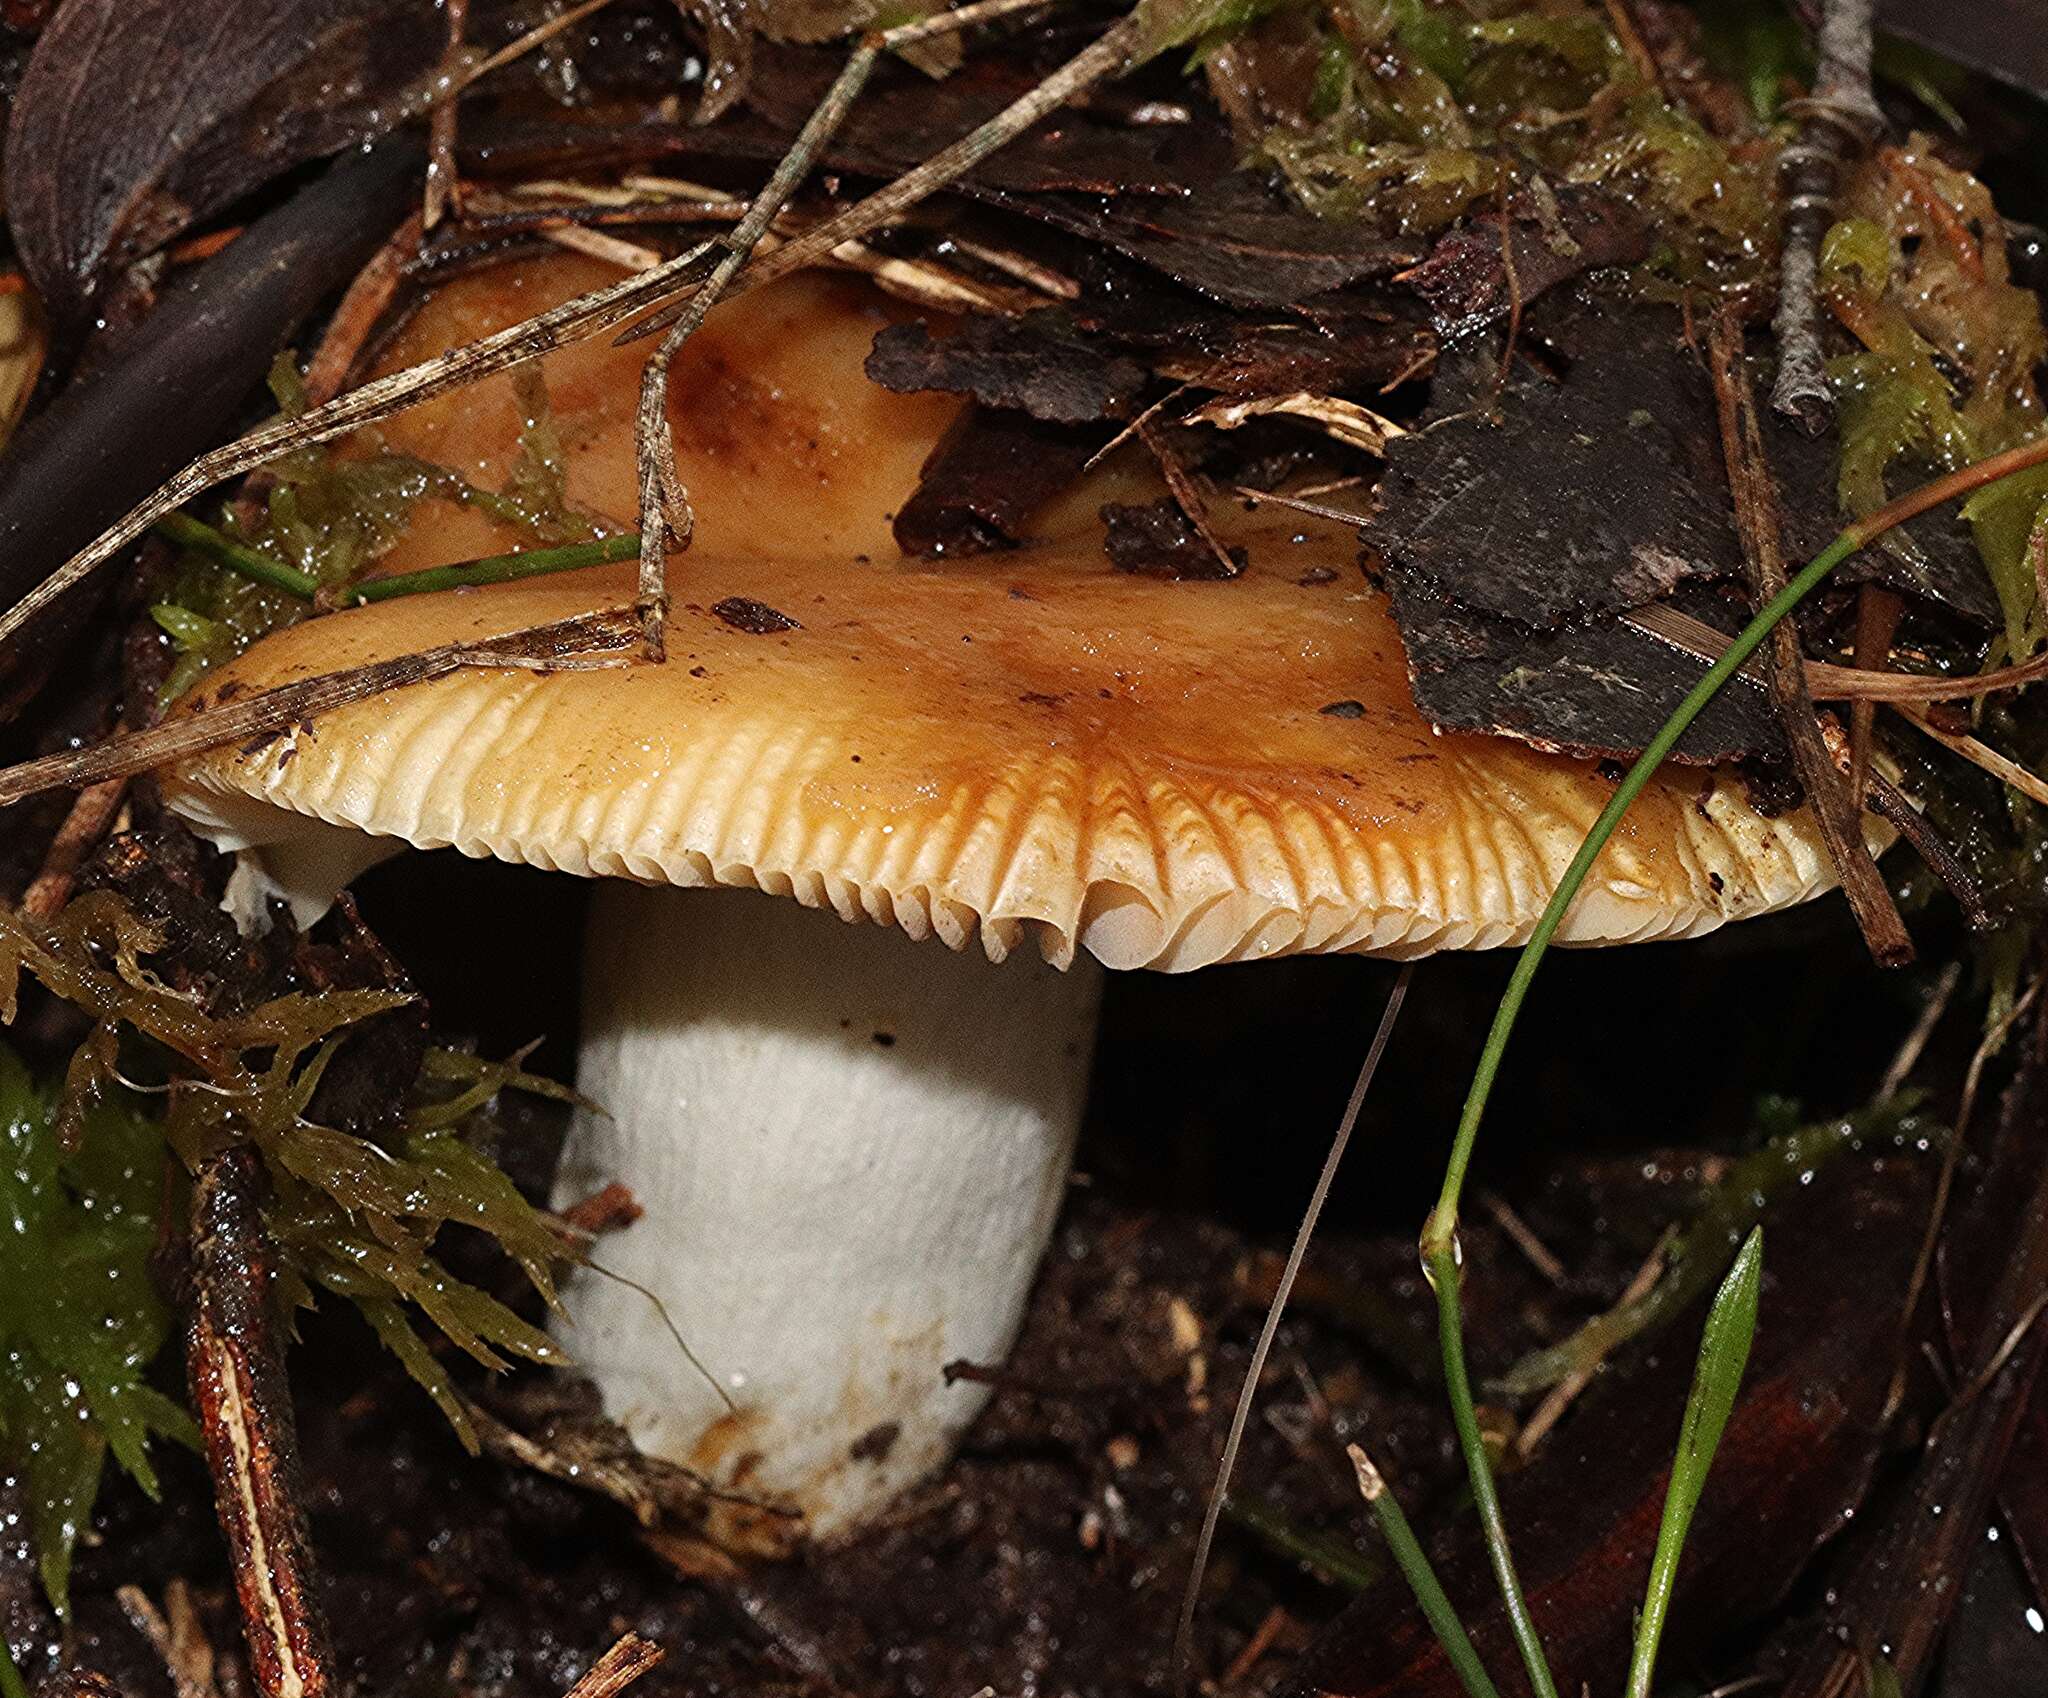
column 1977, row 754
column 1757, row 521
column 665, row 517
column 92, row 814
column 368, row 298
column 589, row 639
column 1523, row 1237
column 444, row 185
column 618, row 1668
column 1184, row 1633
column 1877, row 622
column 1565, row 1393
column 1886, row 800
column 1837, row 121
column 236, row 1361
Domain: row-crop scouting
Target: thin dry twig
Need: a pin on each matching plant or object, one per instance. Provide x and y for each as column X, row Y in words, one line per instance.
column 176, row 1633
column 444, row 183
column 589, row 639
column 239, row 1391
column 1565, row 1393
column 1837, row 122
column 1520, row 1234
column 618, row 1668
column 1944, row 1185
column 1907, row 1056
column 1757, row 521
column 1184, row 1633
column 1877, row 621
column 1977, row 753
column 368, row 298
column 92, row 816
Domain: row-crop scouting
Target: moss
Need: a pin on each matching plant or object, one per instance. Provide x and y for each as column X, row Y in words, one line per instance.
column 333, row 512
column 1423, row 111
column 78, row 1316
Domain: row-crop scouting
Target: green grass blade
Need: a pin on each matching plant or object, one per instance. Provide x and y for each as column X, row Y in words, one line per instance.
column 1724, row 1353
column 11, row 1683
column 1421, row 1578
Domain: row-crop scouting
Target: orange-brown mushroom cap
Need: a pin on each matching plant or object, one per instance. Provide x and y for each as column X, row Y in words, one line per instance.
column 1166, row 774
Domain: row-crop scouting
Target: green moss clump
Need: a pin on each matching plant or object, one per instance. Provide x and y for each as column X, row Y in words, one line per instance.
column 1424, row 112
column 80, row 1318
column 333, row 515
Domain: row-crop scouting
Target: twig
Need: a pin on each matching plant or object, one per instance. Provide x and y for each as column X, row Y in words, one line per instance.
column 589, row 639
column 618, row 1668
column 1907, row 1056
column 1265, row 1636
column 368, row 298
column 525, row 44
column 239, row 1390
column 665, row 517
column 180, row 1640
column 1565, row 1393
column 1758, row 524
column 444, row 186
column 1877, row 622
column 1886, row 800
column 1537, row 1253
column 1944, row 1185
column 1977, row 753
column 1837, row 121
column 1184, row 1632
column 91, row 816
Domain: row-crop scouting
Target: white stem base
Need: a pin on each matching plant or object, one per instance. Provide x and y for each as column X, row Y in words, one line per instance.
column 850, row 1149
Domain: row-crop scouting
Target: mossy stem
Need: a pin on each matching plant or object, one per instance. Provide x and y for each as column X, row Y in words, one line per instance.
column 237, row 557
column 494, row 569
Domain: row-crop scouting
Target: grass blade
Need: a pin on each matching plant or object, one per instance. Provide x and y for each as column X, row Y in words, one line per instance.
column 1724, row 1353
column 1421, row 1578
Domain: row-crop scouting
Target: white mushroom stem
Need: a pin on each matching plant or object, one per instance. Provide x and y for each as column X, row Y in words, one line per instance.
column 849, row 1149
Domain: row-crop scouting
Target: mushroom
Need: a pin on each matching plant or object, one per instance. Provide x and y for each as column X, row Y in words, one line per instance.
column 850, row 1149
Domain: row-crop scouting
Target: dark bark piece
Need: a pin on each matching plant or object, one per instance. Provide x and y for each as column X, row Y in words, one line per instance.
column 1793, row 1464
column 177, row 383
column 1599, row 688
column 981, row 484
column 1041, row 364
column 1595, row 492
column 1156, row 537
column 1230, row 238
column 137, row 116
column 1603, row 488
column 1465, row 280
